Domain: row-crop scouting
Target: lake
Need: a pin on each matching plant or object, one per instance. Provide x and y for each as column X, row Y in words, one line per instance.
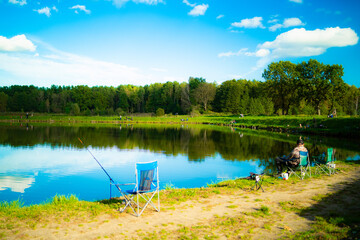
column 37, row 162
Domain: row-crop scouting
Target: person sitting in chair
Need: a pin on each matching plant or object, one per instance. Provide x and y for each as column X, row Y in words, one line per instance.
column 293, row 159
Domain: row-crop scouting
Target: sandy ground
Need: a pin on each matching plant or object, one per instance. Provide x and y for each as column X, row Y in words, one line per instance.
column 204, row 211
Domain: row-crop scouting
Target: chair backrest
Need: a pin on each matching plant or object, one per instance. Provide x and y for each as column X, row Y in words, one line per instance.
column 147, row 175
column 329, row 157
column 304, row 156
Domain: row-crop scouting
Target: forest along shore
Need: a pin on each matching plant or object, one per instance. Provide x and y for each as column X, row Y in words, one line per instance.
column 321, row 125
column 321, row 207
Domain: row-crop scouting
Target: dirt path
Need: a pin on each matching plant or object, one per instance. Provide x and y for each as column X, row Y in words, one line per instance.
column 208, row 213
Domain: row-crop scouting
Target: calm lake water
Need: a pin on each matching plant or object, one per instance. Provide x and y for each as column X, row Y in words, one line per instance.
column 38, row 162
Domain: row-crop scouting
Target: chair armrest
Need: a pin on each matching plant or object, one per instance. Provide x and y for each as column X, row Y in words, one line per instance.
column 124, row 184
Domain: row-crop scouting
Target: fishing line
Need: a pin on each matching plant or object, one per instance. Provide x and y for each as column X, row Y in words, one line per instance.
column 100, row 165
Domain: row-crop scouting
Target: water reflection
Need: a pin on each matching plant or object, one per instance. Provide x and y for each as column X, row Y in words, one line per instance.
column 37, row 162
column 16, row 184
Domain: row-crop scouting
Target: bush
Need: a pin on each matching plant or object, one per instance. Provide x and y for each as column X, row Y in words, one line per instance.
column 256, row 107
column 120, row 112
column 308, row 110
column 194, row 112
column 74, row 109
column 160, row 112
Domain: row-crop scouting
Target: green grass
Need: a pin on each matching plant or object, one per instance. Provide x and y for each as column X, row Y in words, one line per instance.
column 322, row 228
column 173, row 195
column 290, row 206
column 340, row 126
column 245, row 184
column 61, row 207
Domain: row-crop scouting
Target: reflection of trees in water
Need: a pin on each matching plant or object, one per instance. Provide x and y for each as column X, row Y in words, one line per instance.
column 197, row 143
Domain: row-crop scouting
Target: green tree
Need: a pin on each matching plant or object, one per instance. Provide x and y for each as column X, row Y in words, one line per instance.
column 281, row 84
column 3, row 101
column 185, row 103
column 155, row 99
column 338, row 87
column 256, row 107
column 268, row 106
column 351, row 100
column 82, row 95
column 319, row 82
column 227, row 98
column 204, row 94
column 121, row 99
column 75, row 109
column 193, row 84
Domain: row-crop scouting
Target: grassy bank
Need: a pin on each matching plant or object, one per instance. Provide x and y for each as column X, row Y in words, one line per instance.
column 329, row 219
column 344, row 126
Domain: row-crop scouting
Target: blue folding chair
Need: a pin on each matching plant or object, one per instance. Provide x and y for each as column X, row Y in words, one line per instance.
column 304, row 166
column 325, row 163
column 146, row 186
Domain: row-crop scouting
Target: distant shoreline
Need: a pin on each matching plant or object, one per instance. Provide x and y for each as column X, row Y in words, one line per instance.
column 343, row 126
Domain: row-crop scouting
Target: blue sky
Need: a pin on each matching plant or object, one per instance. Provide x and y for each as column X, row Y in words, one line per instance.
column 114, row 42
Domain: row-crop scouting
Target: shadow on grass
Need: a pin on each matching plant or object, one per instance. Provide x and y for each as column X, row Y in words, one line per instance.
column 337, row 215
column 113, row 203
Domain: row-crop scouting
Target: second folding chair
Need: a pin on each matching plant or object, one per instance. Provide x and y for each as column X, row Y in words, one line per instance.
column 325, row 163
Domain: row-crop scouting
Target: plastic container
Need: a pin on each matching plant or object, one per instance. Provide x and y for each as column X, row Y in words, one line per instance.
column 285, row 176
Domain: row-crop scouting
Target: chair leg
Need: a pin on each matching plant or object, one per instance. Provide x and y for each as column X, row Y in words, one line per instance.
column 158, row 200
column 138, row 206
column 128, row 200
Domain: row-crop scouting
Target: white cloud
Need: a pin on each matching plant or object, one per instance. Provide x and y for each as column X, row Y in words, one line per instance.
column 18, row 43
column 18, row 2
column 298, row 43
column 292, row 22
column 199, row 10
column 220, row 16
column 55, row 9
column 50, row 66
column 327, row 11
column 150, row 2
column 244, row 51
column 189, row 4
column 296, row 1
column 120, row 3
column 229, row 54
column 288, row 22
column 303, row 43
column 275, row 27
column 69, row 69
column 81, row 8
column 44, row 10
column 249, row 23
column 273, row 21
column 262, row 53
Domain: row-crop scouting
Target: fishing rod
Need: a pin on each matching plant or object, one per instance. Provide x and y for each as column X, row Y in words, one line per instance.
column 111, row 180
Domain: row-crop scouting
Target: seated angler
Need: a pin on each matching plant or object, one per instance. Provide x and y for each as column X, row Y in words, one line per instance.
column 293, row 159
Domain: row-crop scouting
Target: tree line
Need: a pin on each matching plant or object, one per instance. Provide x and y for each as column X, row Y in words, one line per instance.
column 305, row 88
